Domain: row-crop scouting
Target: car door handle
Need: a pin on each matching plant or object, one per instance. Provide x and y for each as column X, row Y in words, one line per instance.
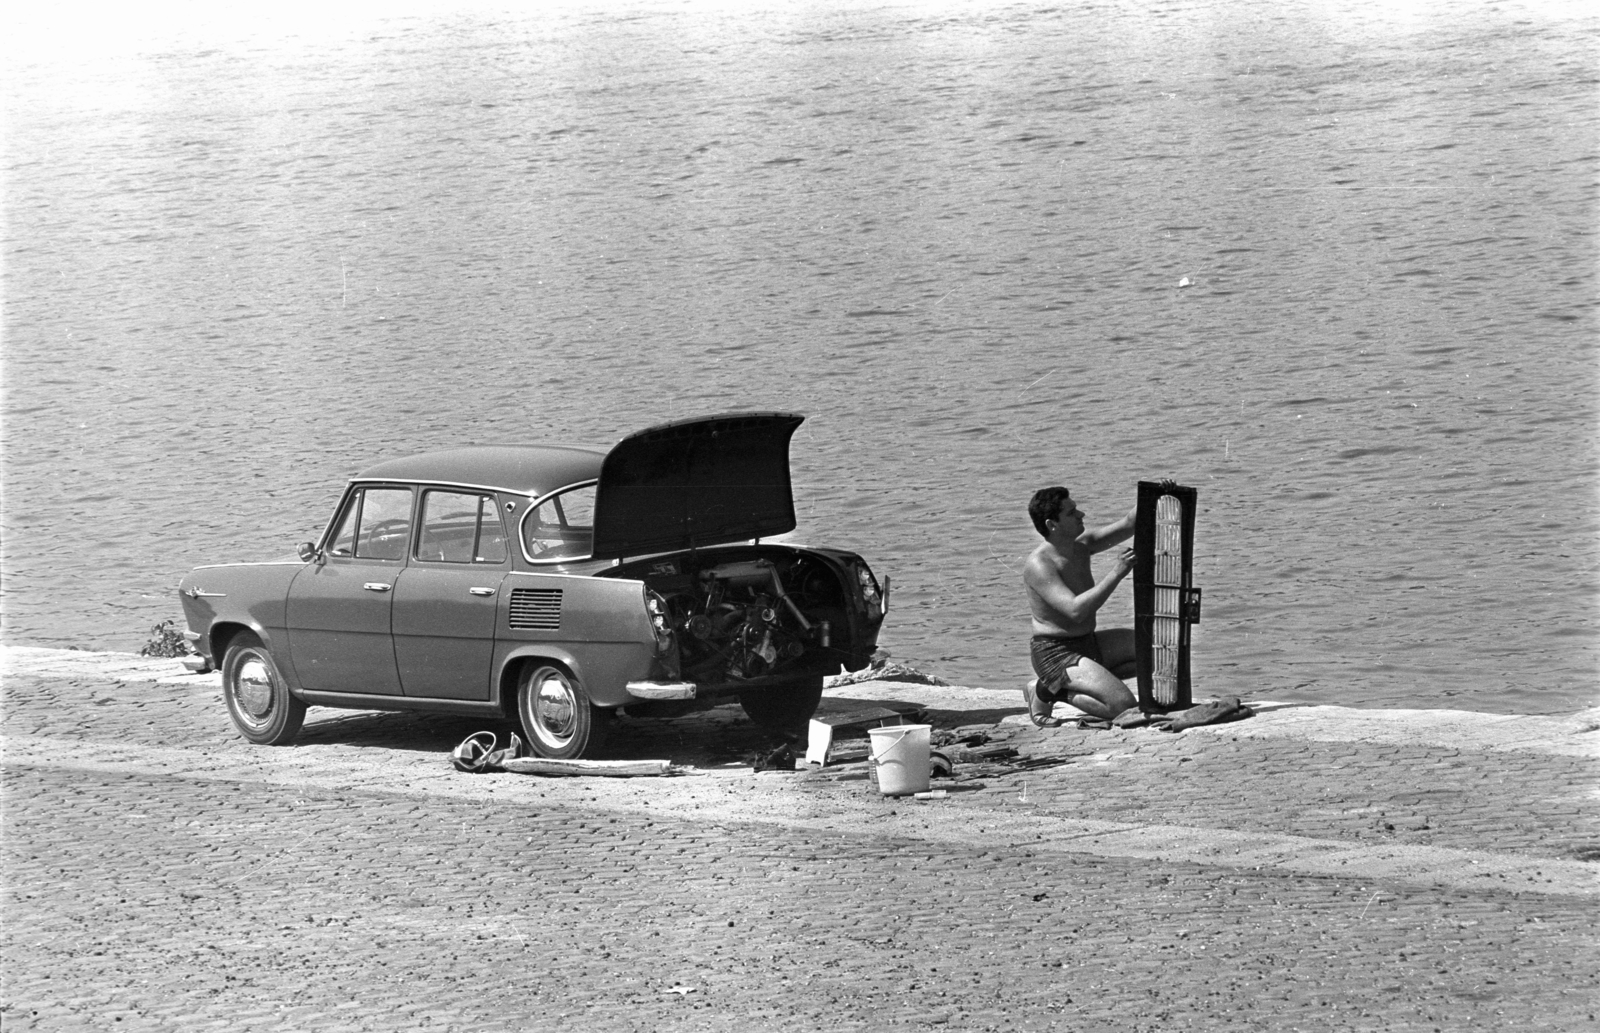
column 376, row 586
column 481, row 591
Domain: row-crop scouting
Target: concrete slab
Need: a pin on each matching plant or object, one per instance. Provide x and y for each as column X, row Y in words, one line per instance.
column 1576, row 735
column 79, row 663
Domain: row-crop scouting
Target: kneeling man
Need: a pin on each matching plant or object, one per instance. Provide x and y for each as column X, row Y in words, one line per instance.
column 1075, row 664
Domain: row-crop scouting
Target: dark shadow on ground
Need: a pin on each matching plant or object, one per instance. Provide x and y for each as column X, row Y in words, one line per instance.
column 963, row 718
column 946, row 719
column 428, row 733
column 720, row 735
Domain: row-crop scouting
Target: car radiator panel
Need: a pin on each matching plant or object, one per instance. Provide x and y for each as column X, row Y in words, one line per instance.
column 1165, row 602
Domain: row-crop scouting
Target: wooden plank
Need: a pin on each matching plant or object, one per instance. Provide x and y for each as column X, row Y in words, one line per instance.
column 605, row 768
column 959, row 754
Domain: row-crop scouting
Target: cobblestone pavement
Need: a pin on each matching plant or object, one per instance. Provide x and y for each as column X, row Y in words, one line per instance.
column 162, row 874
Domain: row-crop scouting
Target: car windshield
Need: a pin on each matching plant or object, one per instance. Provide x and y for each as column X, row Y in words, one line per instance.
column 562, row 526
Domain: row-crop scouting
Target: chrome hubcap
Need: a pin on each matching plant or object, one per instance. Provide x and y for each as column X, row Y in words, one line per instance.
column 554, row 709
column 253, row 687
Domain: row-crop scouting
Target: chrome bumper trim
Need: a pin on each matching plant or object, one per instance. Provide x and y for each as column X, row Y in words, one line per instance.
column 661, row 690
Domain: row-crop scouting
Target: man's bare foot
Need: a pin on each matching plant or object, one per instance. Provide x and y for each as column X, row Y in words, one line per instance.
column 1040, row 704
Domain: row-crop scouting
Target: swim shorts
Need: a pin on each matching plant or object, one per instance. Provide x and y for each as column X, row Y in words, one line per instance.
column 1053, row 655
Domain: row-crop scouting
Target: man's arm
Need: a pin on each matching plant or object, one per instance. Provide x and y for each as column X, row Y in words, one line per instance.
column 1075, row 606
column 1102, row 538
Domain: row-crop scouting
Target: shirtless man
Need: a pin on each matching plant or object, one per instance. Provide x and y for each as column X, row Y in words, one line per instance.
column 1075, row 664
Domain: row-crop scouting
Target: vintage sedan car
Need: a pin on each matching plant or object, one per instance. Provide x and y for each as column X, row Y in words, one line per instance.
column 552, row 584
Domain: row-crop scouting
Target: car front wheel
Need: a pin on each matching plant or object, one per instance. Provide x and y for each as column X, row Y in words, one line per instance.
column 556, row 712
column 258, row 698
column 784, row 708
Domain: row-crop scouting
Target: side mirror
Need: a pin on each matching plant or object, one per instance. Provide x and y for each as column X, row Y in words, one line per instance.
column 307, row 550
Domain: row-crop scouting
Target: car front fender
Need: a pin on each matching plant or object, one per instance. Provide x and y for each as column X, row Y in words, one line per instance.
column 219, row 601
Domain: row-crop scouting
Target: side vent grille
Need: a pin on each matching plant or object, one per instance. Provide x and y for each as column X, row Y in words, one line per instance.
column 535, row 609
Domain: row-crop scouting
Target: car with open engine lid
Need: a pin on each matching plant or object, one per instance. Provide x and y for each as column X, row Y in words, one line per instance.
column 549, row 584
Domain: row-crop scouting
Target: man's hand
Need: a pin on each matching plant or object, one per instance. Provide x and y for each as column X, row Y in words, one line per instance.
column 1125, row 562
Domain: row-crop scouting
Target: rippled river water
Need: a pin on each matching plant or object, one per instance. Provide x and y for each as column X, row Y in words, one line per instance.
column 243, row 261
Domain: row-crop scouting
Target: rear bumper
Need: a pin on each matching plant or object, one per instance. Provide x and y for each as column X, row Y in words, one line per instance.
column 662, row 690
column 657, row 690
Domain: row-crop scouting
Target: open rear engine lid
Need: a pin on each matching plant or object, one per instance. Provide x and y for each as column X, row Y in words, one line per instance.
column 696, row 482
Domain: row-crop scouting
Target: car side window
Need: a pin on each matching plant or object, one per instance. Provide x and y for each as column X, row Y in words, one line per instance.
column 461, row 528
column 491, row 533
column 376, row 525
column 344, row 539
column 562, row 526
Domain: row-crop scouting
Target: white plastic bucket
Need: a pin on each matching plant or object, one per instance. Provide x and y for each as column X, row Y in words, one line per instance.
column 900, row 755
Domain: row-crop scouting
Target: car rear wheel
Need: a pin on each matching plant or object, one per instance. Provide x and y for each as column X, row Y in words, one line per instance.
column 257, row 696
column 784, row 708
column 556, row 712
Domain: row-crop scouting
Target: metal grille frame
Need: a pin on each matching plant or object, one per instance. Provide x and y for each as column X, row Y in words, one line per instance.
column 1165, row 601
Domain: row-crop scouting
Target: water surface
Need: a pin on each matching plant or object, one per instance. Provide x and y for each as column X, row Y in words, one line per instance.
column 244, row 261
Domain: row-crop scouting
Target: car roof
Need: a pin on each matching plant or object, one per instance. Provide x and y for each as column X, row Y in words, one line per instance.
column 524, row 469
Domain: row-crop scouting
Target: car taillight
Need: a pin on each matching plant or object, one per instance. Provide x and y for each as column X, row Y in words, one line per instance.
column 656, row 606
column 871, row 594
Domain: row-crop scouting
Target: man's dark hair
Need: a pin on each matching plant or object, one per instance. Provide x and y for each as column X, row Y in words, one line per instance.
column 1046, row 505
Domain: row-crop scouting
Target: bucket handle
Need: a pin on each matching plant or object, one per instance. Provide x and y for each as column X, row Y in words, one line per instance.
column 905, row 731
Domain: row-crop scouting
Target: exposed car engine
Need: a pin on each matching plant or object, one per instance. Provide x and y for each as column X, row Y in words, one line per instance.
column 742, row 619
